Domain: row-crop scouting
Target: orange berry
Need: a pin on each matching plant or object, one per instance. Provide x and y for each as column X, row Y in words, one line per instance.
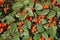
column 0, row 24
column 30, row 38
column 49, row 38
column 35, row 20
column 42, row 16
column 1, row 30
column 34, row 27
column 3, row 24
column 48, row 24
column 5, row 9
column 25, row 11
column 54, row 1
column 21, row 23
column 32, row 9
column 50, row 19
column 27, row 20
column 21, row 30
column 30, row 18
column 55, row 17
column 45, row 6
column 9, row 27
column 1, row 2
column 39, row 22
column 42, row 38
column 54, row 22
column 35, row 0
column 33, row 31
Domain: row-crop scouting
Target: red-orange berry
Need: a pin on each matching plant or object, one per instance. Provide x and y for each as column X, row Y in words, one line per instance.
column 39, row 22
column 21, row 30
column 5, row 9
column 25, row 11
column 54, row 22
column 55, row 17
column 32, row 9
column 48, row 24
column 54, row 1
column 35, row 0
column 21, row 23
column 1, row 30
column 49, row 38
column 9, row 27
column 45, row 6
column 30, row 18
column 3, row 25
column 50, row 19
column 32, row 31
column 42, row 38
column 34, row 27
column 0, row 24
column 1, row 2
column 35, row 20
column 42, row 16
column 30, row 38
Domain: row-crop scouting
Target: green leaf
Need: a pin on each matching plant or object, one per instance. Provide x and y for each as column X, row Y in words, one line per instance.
column 38, row 12
column 31, row 3
column 9, row 18
column 5, row 34
column 13, row 28
column 45, row 12
column 17, row 5
column 52, row 31
column 26, row 32
column 51, row 14
column 58, row 14
column 38, row 6
column 36, row 37
column 43, row 21
column 28, row 24
column 45, row 35
column 58, row 38
column 22, row 17
column 16, row 37
column 58, row 1
column 13, row 13
column 35, row 15
column 30, row 12
column 25, row 38
column 26, row 2
column 40, row 28
column 55, row 8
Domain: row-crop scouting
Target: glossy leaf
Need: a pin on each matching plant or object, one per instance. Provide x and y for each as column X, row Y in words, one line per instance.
column 30, row 12
column 28, row 24
column 45, row 35
column 45, row 12
column 22, row 17
column 9, row 18
column 51, row 14
column 13, row 28
column 58, row 14
column 40, row 28
column 25, row 33
column 38, row 6
column 52, row 31
column 43, row 21
column 36, row 37
column 17, row 5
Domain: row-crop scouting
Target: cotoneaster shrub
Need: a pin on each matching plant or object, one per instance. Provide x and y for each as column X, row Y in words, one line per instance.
column 29, row 19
